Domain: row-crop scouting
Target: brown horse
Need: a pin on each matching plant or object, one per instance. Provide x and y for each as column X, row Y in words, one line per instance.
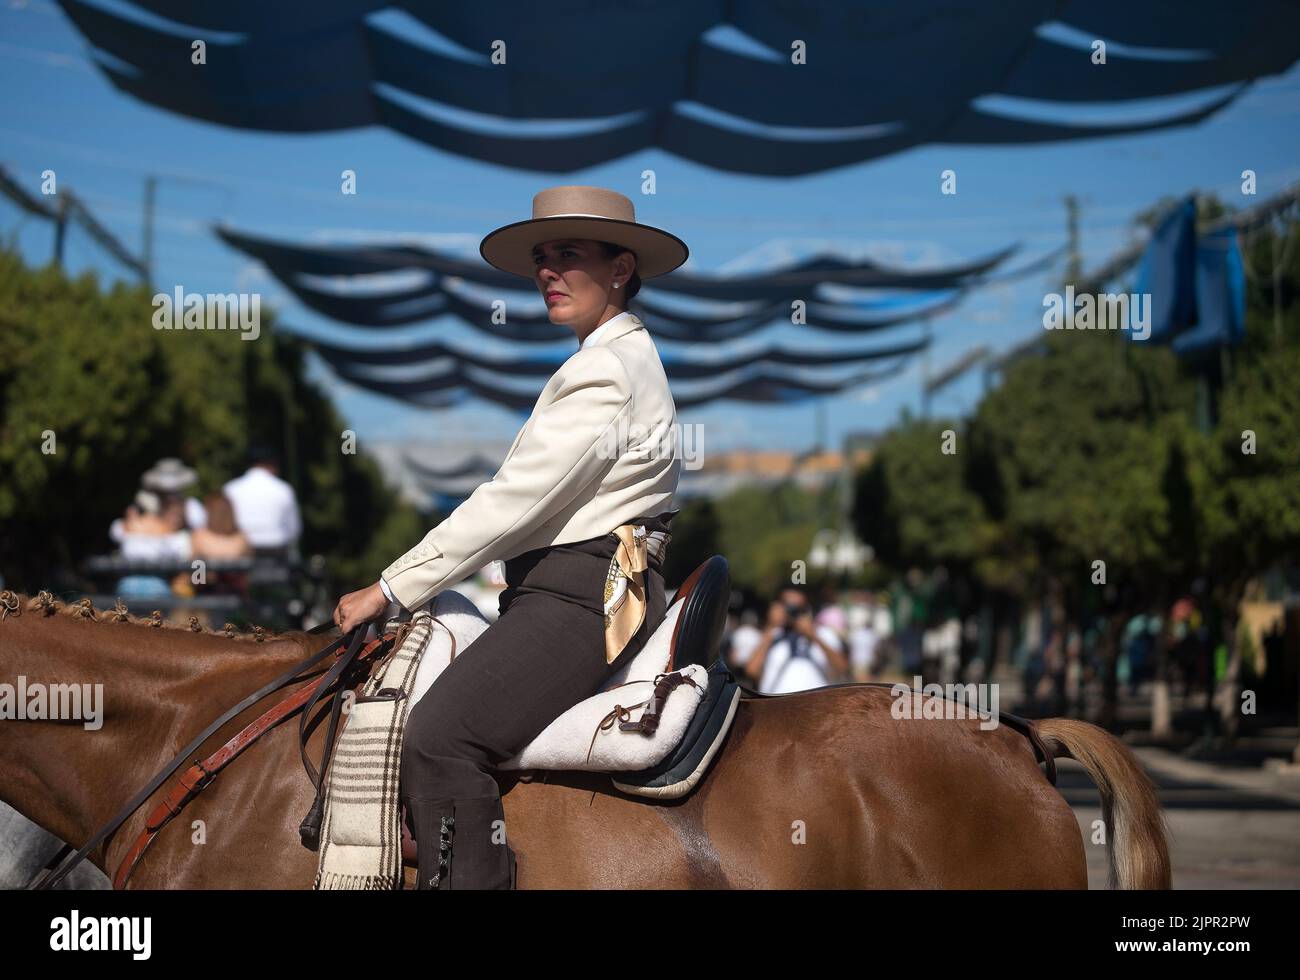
column 823, row 789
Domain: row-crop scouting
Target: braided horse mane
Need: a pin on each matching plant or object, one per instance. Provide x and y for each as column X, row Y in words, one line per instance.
column 46, row 604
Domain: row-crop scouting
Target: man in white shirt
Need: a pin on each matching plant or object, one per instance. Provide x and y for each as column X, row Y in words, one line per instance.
column 266, row 508
column 795, row 654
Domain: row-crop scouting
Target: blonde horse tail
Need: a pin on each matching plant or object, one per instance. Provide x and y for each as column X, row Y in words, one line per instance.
column 1135, row 825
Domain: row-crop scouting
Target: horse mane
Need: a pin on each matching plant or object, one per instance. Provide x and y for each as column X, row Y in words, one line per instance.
column 45, row 603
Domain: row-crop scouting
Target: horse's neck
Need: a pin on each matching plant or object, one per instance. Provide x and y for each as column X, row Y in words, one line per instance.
column 154, row 689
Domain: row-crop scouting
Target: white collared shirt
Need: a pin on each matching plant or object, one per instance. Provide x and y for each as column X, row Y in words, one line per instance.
column 266, row 509
column 592, row 337
column 587, row 341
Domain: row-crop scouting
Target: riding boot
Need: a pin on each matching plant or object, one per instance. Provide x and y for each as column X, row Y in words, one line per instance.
column 484, row 860
column 433, row 825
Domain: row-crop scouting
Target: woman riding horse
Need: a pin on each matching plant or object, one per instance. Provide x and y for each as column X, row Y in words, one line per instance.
column 580, row 510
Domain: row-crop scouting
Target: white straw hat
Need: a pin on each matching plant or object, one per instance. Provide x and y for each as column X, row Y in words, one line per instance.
column 168, row 475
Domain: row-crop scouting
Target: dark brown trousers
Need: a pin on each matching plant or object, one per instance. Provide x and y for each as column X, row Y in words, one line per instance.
column 544, row 654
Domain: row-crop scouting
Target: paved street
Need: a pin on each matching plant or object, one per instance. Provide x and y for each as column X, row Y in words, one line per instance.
column 1229, row 828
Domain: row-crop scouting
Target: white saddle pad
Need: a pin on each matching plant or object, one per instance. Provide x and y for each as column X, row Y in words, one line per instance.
column 564, row 743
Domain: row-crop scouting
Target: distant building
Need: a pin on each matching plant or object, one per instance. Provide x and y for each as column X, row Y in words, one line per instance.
column 725, row 472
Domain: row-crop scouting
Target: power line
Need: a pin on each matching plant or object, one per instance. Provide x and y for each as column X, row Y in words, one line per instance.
column 1126, row 258
column 70, row 209
column 13, row 190
column 1257, row 214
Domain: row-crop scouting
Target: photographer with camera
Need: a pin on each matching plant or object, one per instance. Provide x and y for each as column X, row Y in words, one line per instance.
column 795, row 654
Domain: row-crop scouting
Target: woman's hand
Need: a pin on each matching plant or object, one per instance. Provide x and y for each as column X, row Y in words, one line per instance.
column 357, row 608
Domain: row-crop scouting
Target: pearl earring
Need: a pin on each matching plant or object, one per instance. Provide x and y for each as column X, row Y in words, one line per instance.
column 616, row 285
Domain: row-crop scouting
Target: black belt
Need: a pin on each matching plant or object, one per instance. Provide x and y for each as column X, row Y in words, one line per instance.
column 575, row 571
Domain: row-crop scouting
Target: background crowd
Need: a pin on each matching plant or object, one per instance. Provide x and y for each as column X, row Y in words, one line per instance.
column 253, row 514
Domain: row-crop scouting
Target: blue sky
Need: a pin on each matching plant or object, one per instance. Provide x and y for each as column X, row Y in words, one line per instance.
column 59, row 113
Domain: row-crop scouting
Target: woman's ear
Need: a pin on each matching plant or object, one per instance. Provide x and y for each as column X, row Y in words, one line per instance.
column 624, row 267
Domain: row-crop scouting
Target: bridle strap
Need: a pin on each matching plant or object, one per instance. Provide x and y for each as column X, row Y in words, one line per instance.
column 198, row 776
column 310, row 828
column 337, row 669
column 64, row 866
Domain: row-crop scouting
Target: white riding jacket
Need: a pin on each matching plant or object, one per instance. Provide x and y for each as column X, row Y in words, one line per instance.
column 600, row 449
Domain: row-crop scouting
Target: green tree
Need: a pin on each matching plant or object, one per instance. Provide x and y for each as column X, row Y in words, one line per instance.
column 913, row 503
column 763, row 531
column 83, row 372
column 695, row 539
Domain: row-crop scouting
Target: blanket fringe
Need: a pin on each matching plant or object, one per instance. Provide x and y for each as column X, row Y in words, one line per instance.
column 333, row 881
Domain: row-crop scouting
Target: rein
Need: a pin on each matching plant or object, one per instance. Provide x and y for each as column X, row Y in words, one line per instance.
column 202, row 772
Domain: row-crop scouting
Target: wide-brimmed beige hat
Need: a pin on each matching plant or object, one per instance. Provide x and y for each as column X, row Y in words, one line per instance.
column 577, row 211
